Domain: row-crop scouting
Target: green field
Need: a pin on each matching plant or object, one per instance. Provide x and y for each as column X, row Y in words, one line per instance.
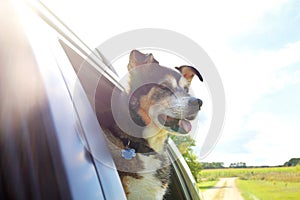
column 204, row 185
column 265, row 190
column 260, row 183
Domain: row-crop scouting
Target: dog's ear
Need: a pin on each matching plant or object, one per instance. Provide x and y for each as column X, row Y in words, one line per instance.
column 137, row 58
column 189, row 72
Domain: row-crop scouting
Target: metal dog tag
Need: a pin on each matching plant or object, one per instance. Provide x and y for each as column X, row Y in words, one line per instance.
column 128, row 153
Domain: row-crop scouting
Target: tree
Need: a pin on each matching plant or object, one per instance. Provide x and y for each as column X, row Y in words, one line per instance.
column 193, row 163
column 292, row 162
column 185, row 144
column 212, row 165
column 238, row 165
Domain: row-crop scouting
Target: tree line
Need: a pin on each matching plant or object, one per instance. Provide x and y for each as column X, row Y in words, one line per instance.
column 185, row 144
column 292, row 162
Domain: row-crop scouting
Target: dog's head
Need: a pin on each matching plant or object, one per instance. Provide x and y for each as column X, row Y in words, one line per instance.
column 160, row 95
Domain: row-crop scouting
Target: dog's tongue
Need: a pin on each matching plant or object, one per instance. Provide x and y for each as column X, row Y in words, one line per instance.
column 185, row 125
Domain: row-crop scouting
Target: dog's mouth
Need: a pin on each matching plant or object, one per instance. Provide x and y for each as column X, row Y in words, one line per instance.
column 182, row 126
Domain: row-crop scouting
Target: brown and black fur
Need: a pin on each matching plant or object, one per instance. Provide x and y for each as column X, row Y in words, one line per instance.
column 154, row 97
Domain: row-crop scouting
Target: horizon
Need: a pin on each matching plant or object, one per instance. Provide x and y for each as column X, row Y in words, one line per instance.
column 255, row 47
column 249, row 166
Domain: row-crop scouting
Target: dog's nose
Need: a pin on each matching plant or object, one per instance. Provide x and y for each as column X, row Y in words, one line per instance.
column 195, row 102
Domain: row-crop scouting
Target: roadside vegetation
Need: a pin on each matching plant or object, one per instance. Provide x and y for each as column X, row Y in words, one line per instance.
column 184, row 145
column 289, row 174
column 204, row 185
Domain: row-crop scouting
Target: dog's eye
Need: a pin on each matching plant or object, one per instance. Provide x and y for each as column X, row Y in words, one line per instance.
column 165, row 88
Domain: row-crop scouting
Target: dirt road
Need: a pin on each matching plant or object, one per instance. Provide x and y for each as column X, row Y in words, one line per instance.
column 225, row 189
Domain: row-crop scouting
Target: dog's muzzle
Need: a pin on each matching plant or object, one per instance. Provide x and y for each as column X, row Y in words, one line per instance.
column 180, row 122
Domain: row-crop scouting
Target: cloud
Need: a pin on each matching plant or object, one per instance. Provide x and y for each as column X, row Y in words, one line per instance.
column 276, row 140
column 285, row 100
column 208, row 22
column 276, row 28
column 254, row 132
column 251, row 80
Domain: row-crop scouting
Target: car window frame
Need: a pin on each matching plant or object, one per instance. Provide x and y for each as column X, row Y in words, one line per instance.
column 55, row 67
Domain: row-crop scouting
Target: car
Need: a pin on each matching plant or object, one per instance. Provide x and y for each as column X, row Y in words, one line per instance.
column 51, row 143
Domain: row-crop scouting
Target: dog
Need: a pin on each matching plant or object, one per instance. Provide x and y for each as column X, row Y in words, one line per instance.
column 159, row 104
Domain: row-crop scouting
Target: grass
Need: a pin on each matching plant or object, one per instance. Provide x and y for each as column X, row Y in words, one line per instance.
column 260, row 183
column 289, row 174
column 204, row 185
column 265, row 190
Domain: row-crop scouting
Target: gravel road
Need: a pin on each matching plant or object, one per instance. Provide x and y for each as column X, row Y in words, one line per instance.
column 225, row 189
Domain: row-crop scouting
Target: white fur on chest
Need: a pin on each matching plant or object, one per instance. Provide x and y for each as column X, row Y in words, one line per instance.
column 150, row 163
column 148, row 187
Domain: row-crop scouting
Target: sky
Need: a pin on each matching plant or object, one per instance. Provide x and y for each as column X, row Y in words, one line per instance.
column 255, row 46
